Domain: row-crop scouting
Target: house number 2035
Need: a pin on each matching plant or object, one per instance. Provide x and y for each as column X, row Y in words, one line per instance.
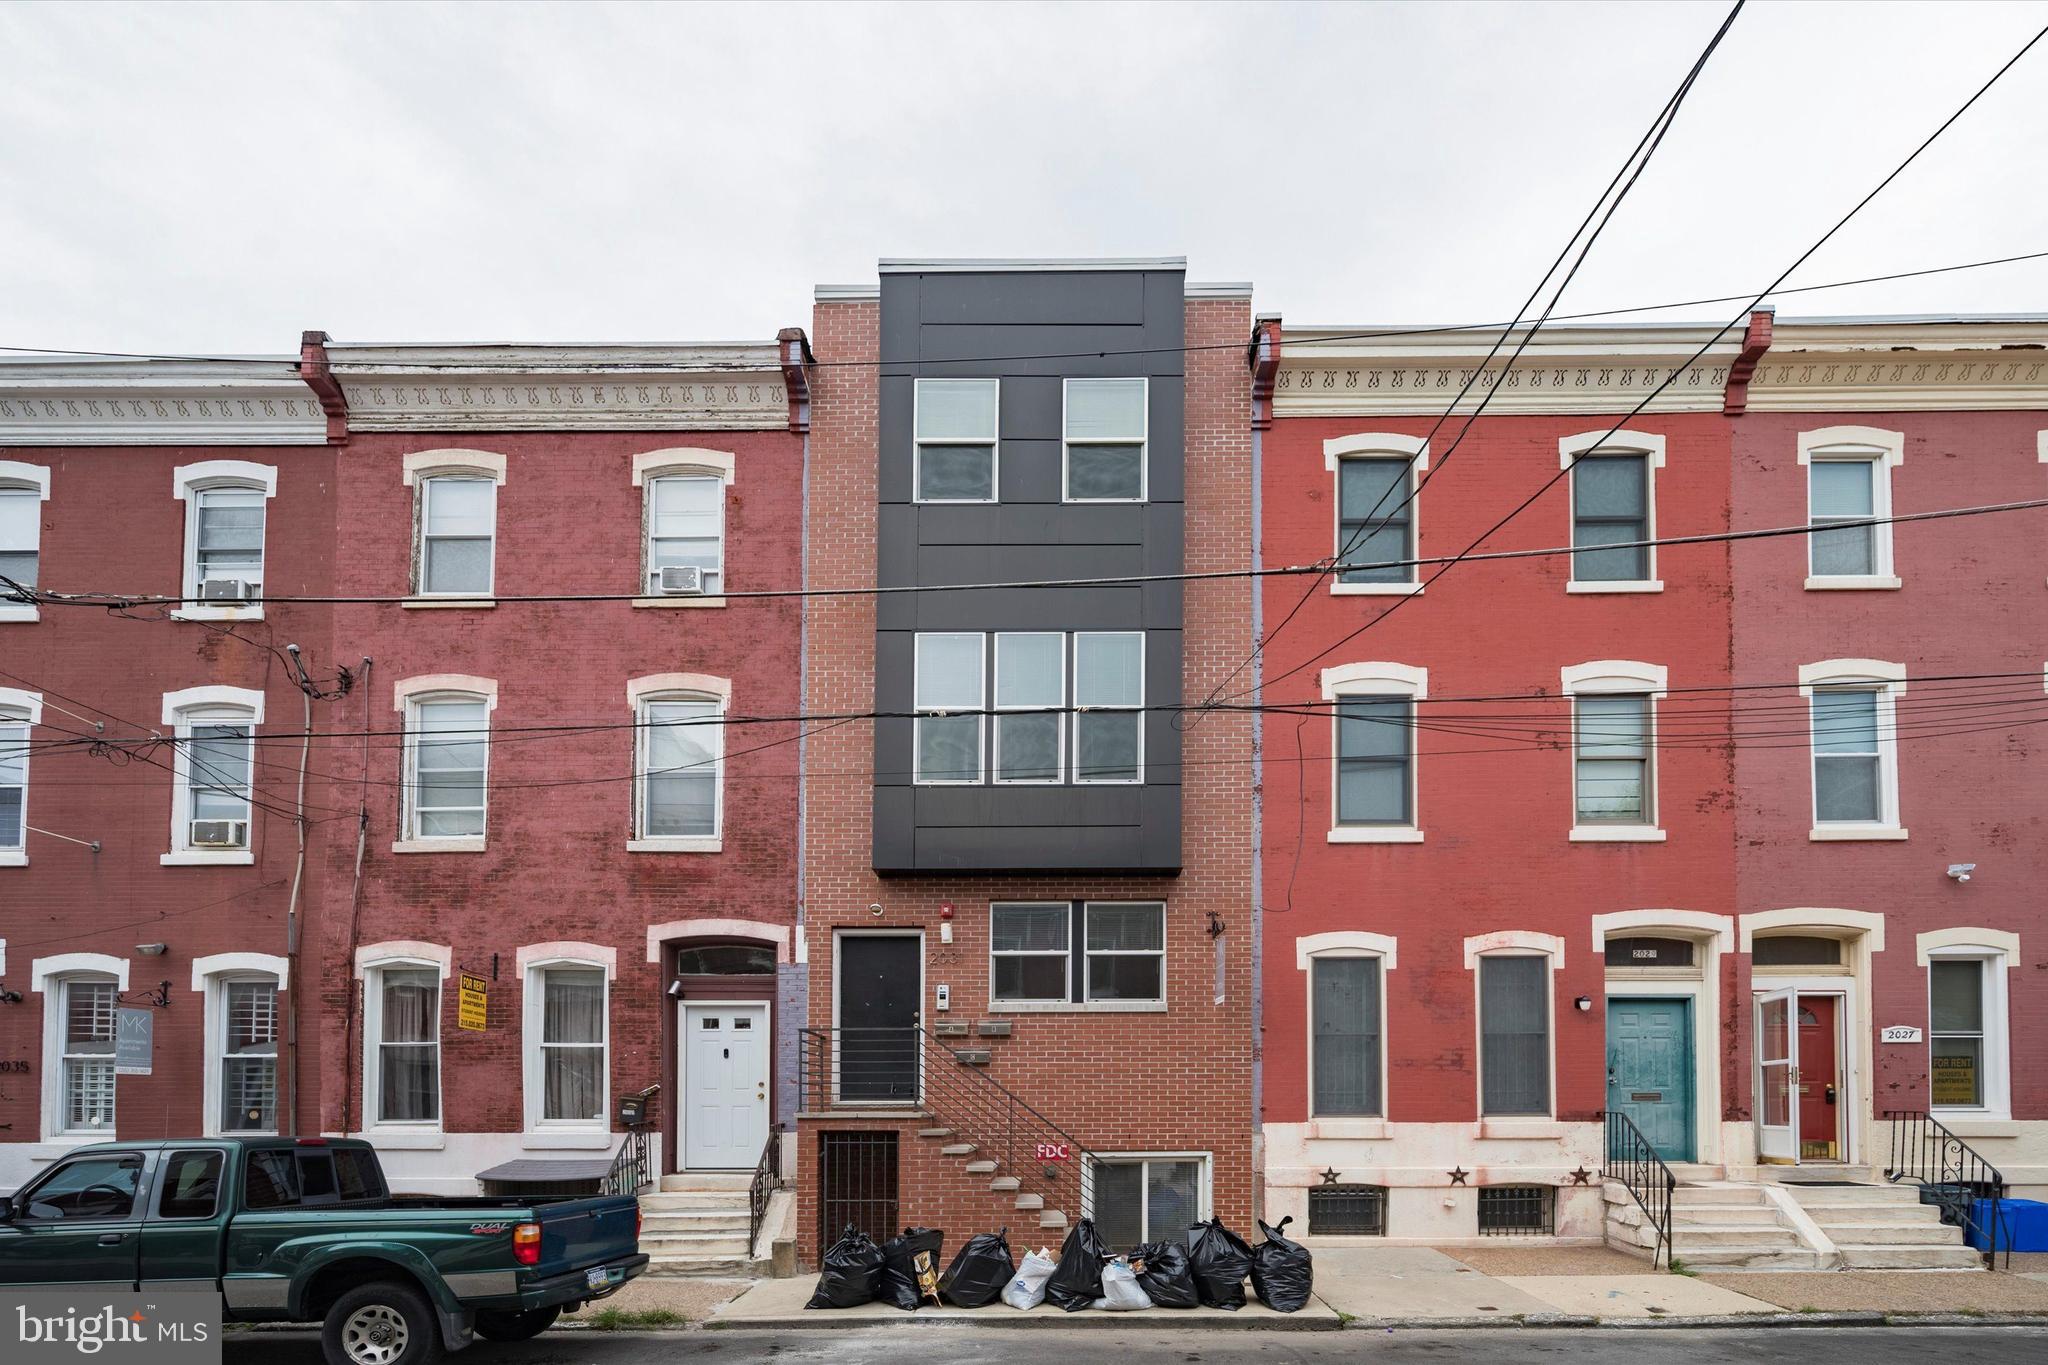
column 20, row 1068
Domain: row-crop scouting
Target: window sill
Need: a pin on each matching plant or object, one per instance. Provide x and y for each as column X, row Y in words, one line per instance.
column 1375, row 589
column 1520, row 1130
column 1363, row 834
column 448, row 603
column 1976, row 1123
column 679, row 601
column 677, row 845
column 1077, row 1007
column 1349, row 1130
column 59, row 1144
column 206, row 857
column 1846, row 834
column 19, row 611
column 1617, row 834
column 1625, row 585
column 201, row 612
column 1852, row 583
column 437, row 846
column 544, row 1141
column 13, row 857
column 405, row 1139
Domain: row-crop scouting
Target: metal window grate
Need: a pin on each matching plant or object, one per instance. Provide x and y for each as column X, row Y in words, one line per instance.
column 1517, row 1211
column 1347, row 1211
column 856, row 1185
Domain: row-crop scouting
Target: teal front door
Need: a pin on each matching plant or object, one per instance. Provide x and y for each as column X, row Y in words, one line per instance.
column 1650, row 1070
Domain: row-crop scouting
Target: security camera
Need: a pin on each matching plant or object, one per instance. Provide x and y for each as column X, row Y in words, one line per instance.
column 1961, row 871
column 675, row 990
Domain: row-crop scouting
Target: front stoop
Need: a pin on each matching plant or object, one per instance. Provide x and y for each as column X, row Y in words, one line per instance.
column 696, row 1225
column 1731, row 1225
column 1884, row 1227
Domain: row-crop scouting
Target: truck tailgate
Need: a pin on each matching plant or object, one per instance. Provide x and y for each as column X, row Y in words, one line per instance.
column 584, row 1232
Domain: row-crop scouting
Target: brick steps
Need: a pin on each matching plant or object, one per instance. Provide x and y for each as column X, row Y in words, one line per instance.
column 976, row 1165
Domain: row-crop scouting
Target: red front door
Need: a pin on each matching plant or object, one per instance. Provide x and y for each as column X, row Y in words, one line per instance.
column 1819, row 1082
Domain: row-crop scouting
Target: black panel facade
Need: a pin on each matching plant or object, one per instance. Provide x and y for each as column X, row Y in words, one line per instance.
column 1050, row 325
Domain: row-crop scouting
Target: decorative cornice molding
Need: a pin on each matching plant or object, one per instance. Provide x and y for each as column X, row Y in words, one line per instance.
column 1313, row 386
column 121, row 403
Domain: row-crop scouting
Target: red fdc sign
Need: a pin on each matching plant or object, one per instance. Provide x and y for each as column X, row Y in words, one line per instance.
column 1055, row 1151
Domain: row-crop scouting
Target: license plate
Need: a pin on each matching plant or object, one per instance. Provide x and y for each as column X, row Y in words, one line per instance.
column 597, row 1277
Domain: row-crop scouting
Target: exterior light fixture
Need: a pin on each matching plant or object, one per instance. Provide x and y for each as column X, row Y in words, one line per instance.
column 151, row 949
column 1961, row 871
column 1583, row 1004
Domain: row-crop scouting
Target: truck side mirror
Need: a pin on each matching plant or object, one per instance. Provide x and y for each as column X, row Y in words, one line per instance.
column 7, row 1209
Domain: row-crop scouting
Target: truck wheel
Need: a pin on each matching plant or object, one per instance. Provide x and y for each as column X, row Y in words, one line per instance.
column 385, row 1323
column 516, row 1326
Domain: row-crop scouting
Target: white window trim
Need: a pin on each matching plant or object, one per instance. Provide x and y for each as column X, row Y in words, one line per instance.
column 1377, row 445
column 181, row 711
column 17, row 474
column 406, row 694
column 1066, row 996
column 1884, row 451
column 1060, row 772
column 1343, row 944
column 1082, row 954
column 532, row 961
column 371, row 963
column 697, row 687
column 1888, row 680
column 1621, row 442
column 1610, row 677
column 980, row 710
column 645, row 477
column 210, row 976
column 47, row 978
column 420, row 466
column 1204, row 1180
column 1997, row 953
column 1072, row 674
column 1512, row 943
column 187, row 482
column 18, row 707
column 994, row 442
column 1377, row 678
column 1144, row 441
column 649, row 465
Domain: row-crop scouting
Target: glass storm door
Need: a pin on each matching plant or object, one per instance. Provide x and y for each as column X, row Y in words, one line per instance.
column 1777, row 1076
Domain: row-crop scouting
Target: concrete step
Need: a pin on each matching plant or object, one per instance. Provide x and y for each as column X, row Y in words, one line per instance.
column 1004, row 1182
column 723, row 1248
column 1911, row 1257
column 1888, row 1233
column 699, row 1181
column 1827, row 1215
column 708, row 1267
column 1686, row 1236
column 1051, row 1218
column 1030, row 1201
column 1704, row 1214
column 693, row 1202
column 1686, row 1196
column 981, row 1168
column 693, row 1220
column 1834, row 1196
column 1749, row 1257
column 958, row 1149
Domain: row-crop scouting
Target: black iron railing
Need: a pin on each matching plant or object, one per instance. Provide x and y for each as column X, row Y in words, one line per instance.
column 631, row 1171
column 1969, row 1190
column 767, row 1180
column 1630, row 1158
column 847, row 1070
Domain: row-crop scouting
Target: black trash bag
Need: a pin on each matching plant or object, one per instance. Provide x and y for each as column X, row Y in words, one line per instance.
column 850, row 1274
column 1220, row 1260
column 1281, row 1271
column 1164, row 1274
column 980, row 1272
column 1077, row 1280
column 910, row 1268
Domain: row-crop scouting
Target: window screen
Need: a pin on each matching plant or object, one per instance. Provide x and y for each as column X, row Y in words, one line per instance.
column 1610, row 506
column 1375, row 757
column 1514, row 1019
column 1347, row 1035
column 1374, row 521
column 1837, row 491
column 1611, row 781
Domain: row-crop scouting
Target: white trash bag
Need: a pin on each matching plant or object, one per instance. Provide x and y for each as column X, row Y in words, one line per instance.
column 1027, row 1289
column 1121, row 1292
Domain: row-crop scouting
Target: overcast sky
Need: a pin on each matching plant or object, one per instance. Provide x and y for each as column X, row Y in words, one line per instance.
column 198, row 178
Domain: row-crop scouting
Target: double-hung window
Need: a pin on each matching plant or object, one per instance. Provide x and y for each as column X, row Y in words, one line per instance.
column 1077, row 952
column 1373, row 715
column 1855, row 747
column 1514, row 1035
column 1968, row 1026
column 213, row 791
column 1137, row 1199
column 19, row 712
column 23, row 490
column 1345, row 1055
column 686, row 530
column 1105, row 431
column 682, row 743
column 245, row 1027
column 1610, row 507
column 950, row 696
column 1611, row 765
column 1109, row 700
column 1375, row 520
column 227, row 544
column 447, row 766
column 403, row 1030
column 566, row 1032
column 1848, row 480
column 1030, row 705
column 458, row 521
column 88, row 1009
column 955, row 448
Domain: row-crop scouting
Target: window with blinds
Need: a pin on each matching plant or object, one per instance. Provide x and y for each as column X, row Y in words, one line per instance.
column 1514, row 1043
column 90, row 1008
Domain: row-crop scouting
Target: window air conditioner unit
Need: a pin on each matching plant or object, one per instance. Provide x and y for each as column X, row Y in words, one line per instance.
column 227, row 590
column 220, row 834
column 682, row 581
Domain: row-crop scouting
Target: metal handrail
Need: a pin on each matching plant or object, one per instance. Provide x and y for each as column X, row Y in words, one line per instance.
column 1927, row 1153
column 1633, row 1160
column 767, row 1180
column 630, row 1168
column 943, row 1082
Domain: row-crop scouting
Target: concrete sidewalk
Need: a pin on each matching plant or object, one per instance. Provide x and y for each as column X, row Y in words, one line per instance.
column 780, row 1303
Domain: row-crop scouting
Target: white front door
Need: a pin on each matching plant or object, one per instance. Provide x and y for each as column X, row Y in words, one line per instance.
column 725, row 1056
column 1777, row 1075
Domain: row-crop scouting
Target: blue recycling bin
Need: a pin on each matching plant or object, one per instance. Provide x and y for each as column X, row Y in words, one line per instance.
column 2022, row 1225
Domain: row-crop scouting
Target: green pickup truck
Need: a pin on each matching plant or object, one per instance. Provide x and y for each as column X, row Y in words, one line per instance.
column 307, row 1231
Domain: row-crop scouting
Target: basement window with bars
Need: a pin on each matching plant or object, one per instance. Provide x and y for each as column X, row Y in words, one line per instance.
column 857, row 1185
column 1517, row 1211
column 1347, row 1211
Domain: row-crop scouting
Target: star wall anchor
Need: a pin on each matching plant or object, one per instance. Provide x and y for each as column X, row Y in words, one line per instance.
column 1329, row 1174
column 1581, row 1176
column 1458, row 1174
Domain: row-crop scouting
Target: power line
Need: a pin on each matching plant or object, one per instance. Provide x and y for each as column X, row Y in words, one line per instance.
column 1669, row 379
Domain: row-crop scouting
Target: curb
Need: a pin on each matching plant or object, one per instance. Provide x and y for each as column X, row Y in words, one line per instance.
column 1091, row 1320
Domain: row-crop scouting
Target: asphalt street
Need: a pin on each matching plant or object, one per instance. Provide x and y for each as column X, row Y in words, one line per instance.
column 1185, row 1346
